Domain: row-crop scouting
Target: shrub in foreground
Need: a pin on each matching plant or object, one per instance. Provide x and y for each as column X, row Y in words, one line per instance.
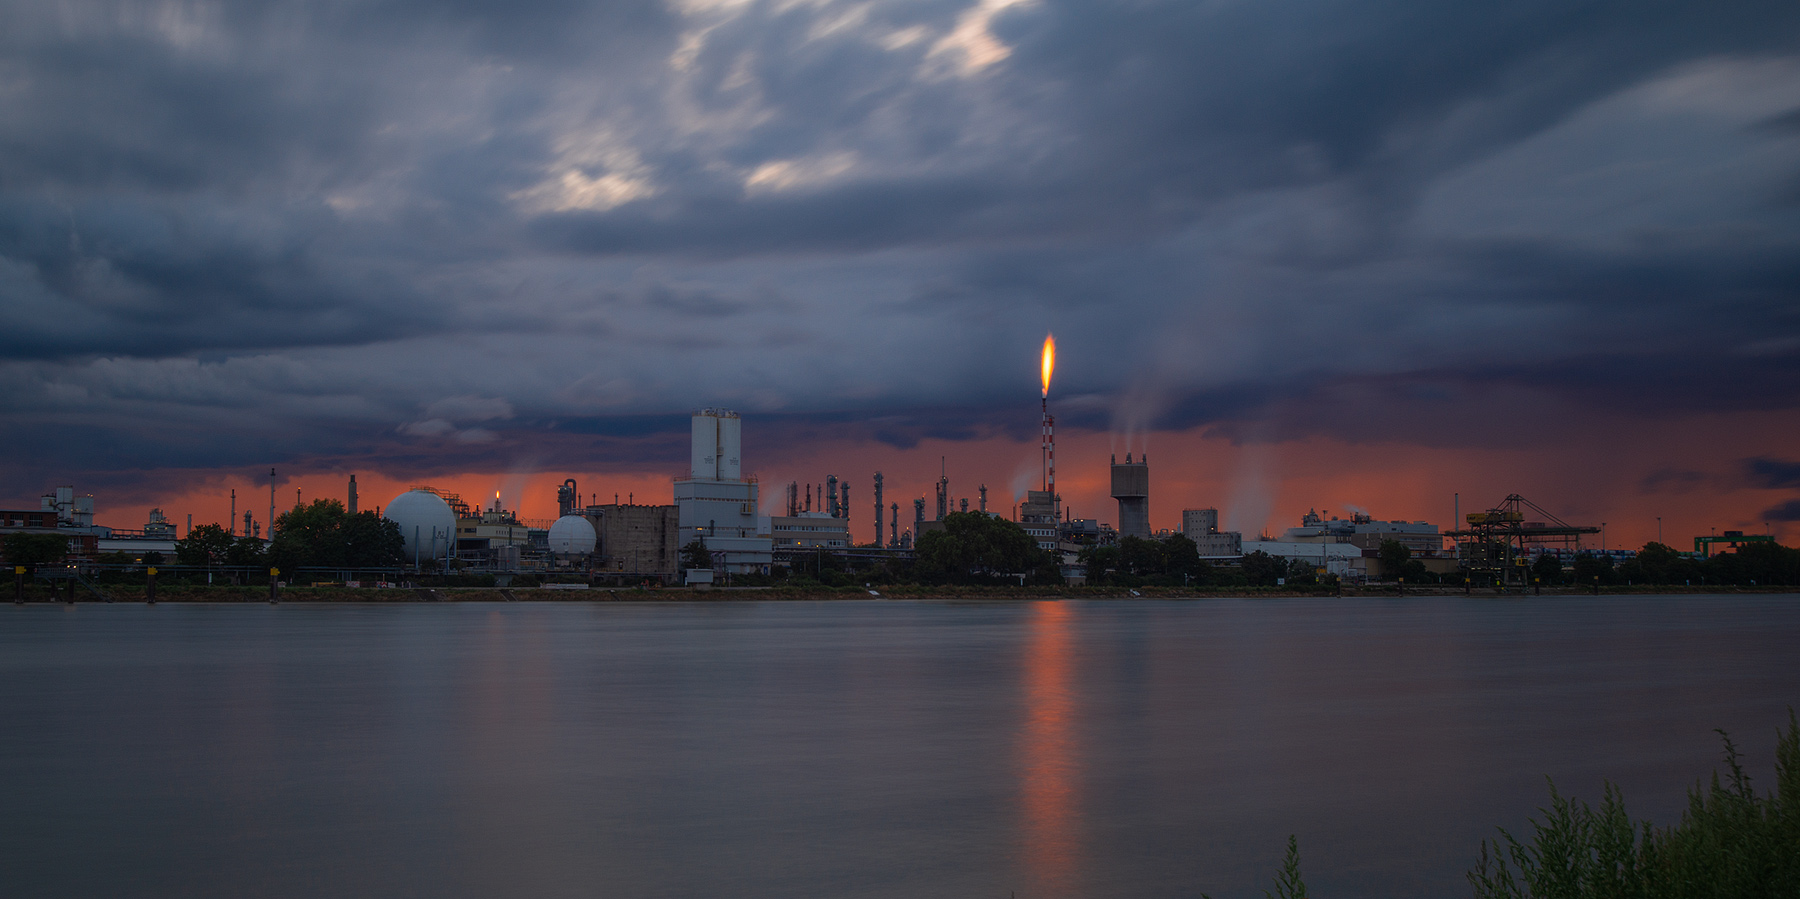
column 1730, row 842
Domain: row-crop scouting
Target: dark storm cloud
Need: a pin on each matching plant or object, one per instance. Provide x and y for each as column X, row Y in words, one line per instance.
column 308, row 230
column 1773, row 474
column 1788, row 511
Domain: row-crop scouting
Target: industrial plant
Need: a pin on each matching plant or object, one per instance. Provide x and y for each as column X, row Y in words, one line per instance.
column 712, row 528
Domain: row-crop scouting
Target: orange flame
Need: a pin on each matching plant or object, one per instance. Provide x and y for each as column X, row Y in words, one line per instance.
column 1049, row 361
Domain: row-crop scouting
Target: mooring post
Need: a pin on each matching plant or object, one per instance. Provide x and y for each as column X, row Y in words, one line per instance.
column 150, row 585
column 273, row 574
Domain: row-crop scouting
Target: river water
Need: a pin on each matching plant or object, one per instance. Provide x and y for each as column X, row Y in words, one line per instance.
column 854, row 749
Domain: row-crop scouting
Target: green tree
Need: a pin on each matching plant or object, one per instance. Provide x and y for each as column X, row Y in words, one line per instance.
column 247, row 551
column 695, row 557
column 205, row 546
column 32, row 550
column 321, row 534
column 1393, row 555
column 1099, row 560
column 1589, row 567
column 1182, row 560
column 1762, row 564
column 371, row 541
column 1547, row 568
column 1657, row 563
column 975, row 547
column 1262, row 569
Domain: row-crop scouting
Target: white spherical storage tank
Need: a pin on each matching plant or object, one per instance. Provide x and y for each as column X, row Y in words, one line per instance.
column 426, row 523
column 572, row 534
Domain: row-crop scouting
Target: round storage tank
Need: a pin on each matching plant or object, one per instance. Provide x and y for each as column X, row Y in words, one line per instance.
column 572, row 535
column 426, row 523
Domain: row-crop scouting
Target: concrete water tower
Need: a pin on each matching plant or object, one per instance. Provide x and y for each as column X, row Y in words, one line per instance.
column 1131, row 487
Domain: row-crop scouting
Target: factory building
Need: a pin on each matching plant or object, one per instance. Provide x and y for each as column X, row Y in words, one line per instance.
column 1362, row 531
column 1341, row 559
column 716, row 503
column 1131, row 487
column 1202, row 527
column 63, row 513
column 157, row 536
column 1040, row 515
column 805, row 530
column 634, row 542
column 495, row 536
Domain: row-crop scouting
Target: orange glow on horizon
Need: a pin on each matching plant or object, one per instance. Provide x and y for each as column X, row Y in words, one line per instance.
column 1049, row 361
column 1616, row 471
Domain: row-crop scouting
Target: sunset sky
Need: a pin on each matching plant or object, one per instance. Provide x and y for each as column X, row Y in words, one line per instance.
column 1345, row 256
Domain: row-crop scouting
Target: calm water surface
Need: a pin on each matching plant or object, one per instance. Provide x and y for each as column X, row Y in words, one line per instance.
column 856, row 749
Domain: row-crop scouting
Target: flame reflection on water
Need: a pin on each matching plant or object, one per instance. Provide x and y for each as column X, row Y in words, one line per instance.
column 1048, row 762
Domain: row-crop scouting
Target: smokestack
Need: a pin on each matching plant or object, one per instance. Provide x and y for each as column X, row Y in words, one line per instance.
column 353, row 495
column 831, row 495
column 233, row 518
column 878, row 543
column 918, row 516
column 943, row 488
column 1049, row 367
column 895, row 530
column 844, row 501
column 984, row 498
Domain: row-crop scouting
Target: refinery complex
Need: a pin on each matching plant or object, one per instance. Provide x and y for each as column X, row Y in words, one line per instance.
column 713, row 526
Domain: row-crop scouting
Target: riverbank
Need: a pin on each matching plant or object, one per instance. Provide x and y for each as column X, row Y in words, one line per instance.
column 230, row 594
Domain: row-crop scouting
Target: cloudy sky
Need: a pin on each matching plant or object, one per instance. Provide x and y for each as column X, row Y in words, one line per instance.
column 1308, row 254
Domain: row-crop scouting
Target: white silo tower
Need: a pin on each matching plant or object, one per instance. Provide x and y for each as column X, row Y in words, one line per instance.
column 717, row 445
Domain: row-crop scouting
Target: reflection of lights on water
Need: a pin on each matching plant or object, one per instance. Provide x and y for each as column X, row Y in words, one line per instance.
column 1047, row 757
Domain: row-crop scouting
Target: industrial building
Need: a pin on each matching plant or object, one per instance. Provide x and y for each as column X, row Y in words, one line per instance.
column 495, row 538
column 1202, row 527
column 636, row 542
column 717, row 504
column 1362, row 530
column 805, row 530
column 1343, row 560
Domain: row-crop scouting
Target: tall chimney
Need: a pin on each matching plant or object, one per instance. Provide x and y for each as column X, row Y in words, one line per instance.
column 878, row 543
column 353, row 494
column 943, row 488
